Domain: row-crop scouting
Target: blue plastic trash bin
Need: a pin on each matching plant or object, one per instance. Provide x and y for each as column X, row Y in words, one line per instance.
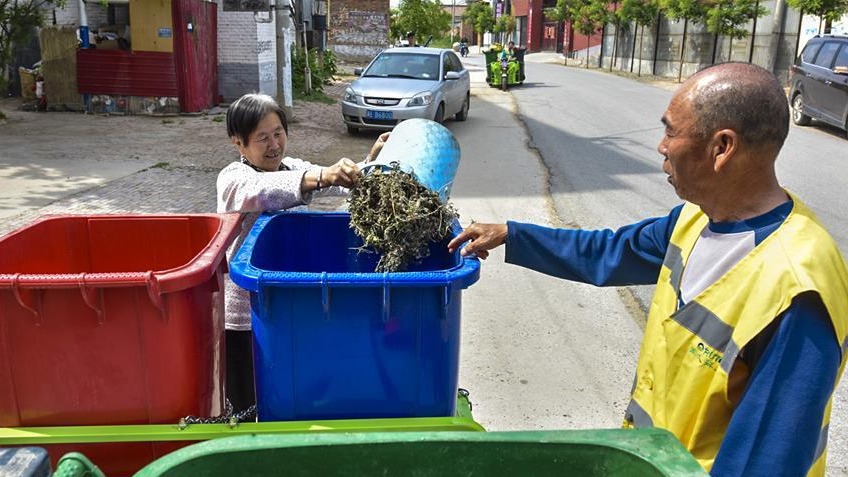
column 333, row 339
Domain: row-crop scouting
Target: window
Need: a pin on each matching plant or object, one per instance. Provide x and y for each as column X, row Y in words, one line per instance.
column 448, row 62
column 405, row 66
column 810, row 52
column 826, row 54
column 452, row 63
column 842, row 57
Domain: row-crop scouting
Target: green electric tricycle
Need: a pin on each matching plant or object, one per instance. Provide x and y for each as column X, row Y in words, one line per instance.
column 503, row 68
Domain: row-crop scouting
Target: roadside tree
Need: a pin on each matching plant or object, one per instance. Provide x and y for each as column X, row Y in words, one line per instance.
column 505, row 25
column 726, row 17
column 588, row 17
column 481, row 16
column 643, row 13
column 690, row 11
column 425, row 17
column 828, row 11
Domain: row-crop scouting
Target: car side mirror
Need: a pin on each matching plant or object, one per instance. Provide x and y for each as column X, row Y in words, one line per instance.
column 841, row 70
column 452, row 75
column 357, row 71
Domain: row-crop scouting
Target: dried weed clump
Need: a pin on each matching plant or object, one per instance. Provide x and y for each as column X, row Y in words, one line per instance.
column 398, row 217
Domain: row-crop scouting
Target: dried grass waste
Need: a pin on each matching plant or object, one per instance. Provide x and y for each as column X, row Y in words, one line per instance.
column 397, row 217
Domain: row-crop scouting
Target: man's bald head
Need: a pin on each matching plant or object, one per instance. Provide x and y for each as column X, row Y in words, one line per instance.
column 743, row 97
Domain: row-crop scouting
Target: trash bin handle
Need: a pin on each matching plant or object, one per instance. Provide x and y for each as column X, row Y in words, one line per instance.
column 27, row 298
column 92, row 298
column 154, row 292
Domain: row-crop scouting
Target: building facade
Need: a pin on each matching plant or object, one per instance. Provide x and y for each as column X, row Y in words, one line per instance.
column 358, row 29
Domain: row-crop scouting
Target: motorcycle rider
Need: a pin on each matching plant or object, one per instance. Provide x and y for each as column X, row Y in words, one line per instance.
column 507, row 55
column 463, row 47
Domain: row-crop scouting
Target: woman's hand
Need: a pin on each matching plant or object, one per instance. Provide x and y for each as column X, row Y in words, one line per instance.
column 377, row 147
column 344, row 173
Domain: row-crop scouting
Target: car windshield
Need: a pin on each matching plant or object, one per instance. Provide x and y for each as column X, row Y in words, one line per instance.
column 405, row 65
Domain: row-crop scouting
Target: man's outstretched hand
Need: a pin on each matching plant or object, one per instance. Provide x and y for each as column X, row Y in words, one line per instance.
column 480, row 239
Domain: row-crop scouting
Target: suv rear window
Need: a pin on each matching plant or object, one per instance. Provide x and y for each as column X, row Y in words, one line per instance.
column 810, row 52
column 842, row 57
column 826, row 55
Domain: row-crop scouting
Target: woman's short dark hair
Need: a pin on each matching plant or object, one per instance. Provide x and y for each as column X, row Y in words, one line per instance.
column 244, row 115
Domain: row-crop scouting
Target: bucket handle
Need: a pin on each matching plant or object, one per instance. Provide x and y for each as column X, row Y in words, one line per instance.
column 325, row 296
column 92, row 298
column 27, row 298
column 387, row 298
column 447, row 291
column 155, row 293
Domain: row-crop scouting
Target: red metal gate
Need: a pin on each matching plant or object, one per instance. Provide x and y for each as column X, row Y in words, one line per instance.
column 196, row 53
column 549, row 36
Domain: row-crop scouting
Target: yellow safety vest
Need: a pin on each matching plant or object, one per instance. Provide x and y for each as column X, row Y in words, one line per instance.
column 682, row 379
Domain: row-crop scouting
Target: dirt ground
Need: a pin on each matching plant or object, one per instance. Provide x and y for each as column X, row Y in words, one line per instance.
column 316, row 133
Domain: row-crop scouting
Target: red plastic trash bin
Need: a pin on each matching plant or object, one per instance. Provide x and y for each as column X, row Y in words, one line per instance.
column 113, row 319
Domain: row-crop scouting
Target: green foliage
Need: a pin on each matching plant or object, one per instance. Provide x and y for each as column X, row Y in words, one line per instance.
column 562, row 12
column 314, row 97
column 18, row 21
column 826, row 9
column 692, row 10
column 642, row 12
column 443, row 42
column 588, row 16
column 481, row 16
column 322, row 68
column 725, row 17
column 328, row 63
column 505, row 24
column 424, row 17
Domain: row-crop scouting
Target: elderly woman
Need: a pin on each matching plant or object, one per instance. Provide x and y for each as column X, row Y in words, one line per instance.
column 263, row 179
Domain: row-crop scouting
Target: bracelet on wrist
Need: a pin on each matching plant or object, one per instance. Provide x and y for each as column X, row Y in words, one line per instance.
column 320, row 174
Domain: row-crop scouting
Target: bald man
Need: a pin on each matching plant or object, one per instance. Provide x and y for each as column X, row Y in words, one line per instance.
column 744, row 342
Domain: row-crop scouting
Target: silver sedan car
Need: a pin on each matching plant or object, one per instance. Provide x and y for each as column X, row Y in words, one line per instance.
column 407, row 82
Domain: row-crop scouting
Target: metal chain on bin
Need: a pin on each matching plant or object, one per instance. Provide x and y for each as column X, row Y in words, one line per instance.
column 227, row 417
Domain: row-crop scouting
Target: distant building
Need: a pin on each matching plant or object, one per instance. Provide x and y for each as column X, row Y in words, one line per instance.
column 358, row 29
column 459, row 27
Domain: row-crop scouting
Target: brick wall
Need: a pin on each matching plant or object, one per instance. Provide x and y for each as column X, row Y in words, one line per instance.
column 358, row 29
column 247, row 53
column 95, row 13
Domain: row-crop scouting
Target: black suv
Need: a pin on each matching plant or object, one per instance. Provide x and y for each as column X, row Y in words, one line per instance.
column 819, row 82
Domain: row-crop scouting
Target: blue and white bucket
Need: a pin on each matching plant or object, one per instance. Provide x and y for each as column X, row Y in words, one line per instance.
column 425, row 149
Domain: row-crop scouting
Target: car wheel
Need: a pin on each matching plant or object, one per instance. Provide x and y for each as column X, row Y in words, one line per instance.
column 440, row 114
column 462, row 115
column 352, row 130
column 798, row 117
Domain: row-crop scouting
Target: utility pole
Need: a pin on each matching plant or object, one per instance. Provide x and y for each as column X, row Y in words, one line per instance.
column 453, row 18
column 282, row 27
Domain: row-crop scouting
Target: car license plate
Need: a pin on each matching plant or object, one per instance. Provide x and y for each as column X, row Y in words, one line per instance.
column 378, row 114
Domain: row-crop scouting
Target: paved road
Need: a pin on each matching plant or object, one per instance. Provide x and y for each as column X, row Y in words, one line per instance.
column 532, row 355
column 597, row 135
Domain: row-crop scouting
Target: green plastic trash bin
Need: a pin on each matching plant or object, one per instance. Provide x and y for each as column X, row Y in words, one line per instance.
column 585, row 453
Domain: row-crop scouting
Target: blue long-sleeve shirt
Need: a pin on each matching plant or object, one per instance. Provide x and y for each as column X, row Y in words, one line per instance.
column 794, row 362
